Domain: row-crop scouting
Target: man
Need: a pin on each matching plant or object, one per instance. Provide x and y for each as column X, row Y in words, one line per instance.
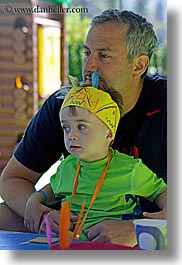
column 118, row 46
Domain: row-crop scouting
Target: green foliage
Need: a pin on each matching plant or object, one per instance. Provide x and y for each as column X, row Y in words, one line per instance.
column 158, row 63
column 57, row 2
column 77, row 27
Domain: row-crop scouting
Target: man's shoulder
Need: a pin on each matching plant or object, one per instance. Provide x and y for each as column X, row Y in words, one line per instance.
column 156, row 79
column 56, row 98
column 155, row 84
column 52, row 104
column 155, row 91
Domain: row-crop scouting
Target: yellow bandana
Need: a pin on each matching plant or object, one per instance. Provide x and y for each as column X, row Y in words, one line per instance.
column 96, row 101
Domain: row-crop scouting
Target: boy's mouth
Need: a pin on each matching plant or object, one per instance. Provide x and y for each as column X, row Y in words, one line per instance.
column 75, row 147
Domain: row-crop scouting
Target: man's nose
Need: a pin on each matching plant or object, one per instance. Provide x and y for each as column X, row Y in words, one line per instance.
column 91, row 64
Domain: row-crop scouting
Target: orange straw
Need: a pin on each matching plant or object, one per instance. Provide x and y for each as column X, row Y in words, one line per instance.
column 64, row 226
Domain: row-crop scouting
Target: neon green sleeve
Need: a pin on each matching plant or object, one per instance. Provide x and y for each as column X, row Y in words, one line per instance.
column 146, row 183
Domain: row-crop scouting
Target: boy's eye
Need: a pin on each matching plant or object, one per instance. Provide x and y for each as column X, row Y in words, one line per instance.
column 81, row 127
column 66, row 129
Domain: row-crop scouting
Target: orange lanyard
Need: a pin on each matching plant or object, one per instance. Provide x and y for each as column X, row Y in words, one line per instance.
column 79, row 225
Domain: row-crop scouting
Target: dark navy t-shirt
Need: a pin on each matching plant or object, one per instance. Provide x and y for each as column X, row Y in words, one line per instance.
column 141, row 132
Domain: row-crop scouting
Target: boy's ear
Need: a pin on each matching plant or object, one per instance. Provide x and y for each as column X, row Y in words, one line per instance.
column 110, row 136
column 140, row 65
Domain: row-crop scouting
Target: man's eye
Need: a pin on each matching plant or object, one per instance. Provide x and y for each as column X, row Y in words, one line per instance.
column 81, row 127
column 104, row 56
column 86, row 53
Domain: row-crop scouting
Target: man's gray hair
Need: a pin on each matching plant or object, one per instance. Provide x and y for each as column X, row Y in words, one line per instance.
column 140, row 39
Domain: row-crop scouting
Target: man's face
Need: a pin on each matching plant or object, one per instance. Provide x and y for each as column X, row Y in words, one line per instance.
column 105, row 52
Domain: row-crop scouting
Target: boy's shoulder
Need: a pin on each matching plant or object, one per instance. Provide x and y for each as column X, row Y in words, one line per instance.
column 118, row 156
column 70, row 160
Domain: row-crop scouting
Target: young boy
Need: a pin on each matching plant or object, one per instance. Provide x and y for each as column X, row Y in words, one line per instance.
column 108, row 181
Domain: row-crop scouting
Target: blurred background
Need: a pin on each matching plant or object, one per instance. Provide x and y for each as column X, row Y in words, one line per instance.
column 40, row 43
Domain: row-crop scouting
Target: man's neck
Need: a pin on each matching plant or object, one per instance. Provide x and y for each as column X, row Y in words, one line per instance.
column 130, row 99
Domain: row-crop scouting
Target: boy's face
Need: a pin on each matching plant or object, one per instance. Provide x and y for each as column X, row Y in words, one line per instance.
column 85, row 135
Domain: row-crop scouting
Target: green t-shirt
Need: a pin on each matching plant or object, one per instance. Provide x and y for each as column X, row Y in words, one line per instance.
column 126, row 179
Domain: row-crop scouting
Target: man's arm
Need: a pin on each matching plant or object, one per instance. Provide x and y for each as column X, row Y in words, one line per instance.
column 120, row 232
column 123, row 232
column 16, row 184
column 161, row 202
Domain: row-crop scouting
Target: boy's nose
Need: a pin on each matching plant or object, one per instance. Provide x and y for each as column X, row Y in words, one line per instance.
column 73, row 138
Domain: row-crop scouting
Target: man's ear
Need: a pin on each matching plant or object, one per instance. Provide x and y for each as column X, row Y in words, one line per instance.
column 140, row 65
